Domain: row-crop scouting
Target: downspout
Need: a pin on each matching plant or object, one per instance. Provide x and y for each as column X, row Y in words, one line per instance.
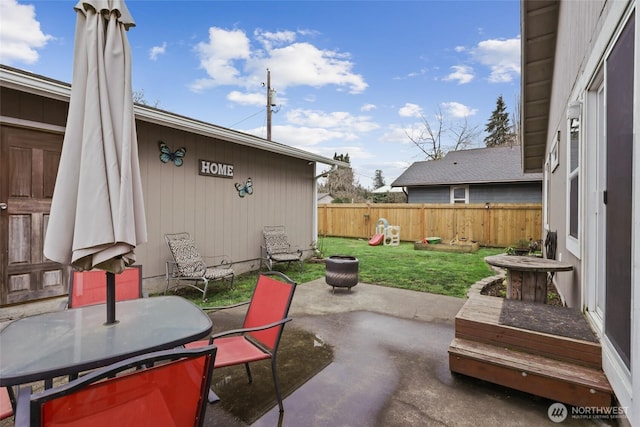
column 314, row 231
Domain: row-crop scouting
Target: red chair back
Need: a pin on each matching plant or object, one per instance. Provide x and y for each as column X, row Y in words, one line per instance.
column 90, row 287
column 6, row 409
column 270, row 303
column 168, row 394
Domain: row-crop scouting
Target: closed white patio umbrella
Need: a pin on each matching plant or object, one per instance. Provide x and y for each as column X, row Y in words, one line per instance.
column 97, row 213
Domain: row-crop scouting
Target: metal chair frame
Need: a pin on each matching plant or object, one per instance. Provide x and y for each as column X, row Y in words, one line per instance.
column 277, row 249
column 193, row 270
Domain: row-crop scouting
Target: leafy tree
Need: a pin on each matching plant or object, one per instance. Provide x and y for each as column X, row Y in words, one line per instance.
column 378, row 179
column 498, row 126
column 342, row 185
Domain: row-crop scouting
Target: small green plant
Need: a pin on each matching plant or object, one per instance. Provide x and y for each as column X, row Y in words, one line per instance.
column 318, row 248
column 520, row 247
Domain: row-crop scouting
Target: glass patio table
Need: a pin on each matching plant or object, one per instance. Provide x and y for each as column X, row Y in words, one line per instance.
column 68, row 342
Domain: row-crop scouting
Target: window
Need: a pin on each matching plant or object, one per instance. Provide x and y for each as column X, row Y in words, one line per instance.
column 573, row 178
column 460, row 194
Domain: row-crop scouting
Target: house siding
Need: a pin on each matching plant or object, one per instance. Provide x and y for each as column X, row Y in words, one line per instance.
column 480, row 193
column 586, row 33
column 578, row 22
column 178, row 199
column 436, row 194
column 209, row 208
column 506, row 193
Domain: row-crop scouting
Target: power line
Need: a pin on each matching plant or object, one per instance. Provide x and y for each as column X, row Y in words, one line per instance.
column 247, row 118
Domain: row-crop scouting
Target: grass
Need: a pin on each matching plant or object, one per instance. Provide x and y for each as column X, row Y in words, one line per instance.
column 443, row 273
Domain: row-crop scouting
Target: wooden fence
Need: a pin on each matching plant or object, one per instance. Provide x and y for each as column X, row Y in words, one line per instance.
column 499, row 225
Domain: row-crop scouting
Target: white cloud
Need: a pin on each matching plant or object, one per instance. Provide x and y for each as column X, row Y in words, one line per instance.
column 218, row 56
column 501, row 56
column 156, row 51
column 341, row 120
column 229, row 59
column 368, row 107
column 461, row 73
column 458, row 110
column 303, row 64
column 244, row 98
column 460, row 48
column 268, row 39
column 309, row 138
column 20, row 33
column 412, row 74
column 396, row 134
column 410, row 110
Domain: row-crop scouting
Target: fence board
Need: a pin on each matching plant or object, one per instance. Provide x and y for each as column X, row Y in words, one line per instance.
column 498, row 225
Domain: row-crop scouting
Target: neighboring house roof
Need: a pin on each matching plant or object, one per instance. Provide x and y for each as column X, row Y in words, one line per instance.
column 480, row 165
column 324, row 198
column 387, row 189
column 43, row 86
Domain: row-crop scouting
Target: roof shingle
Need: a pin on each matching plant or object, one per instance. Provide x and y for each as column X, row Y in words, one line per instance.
column 479, row 165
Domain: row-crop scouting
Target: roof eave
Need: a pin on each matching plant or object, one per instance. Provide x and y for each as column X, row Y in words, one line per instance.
column 539, row 21
column 42, row 86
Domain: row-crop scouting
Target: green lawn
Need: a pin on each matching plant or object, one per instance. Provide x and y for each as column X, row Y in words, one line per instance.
column 400, row 266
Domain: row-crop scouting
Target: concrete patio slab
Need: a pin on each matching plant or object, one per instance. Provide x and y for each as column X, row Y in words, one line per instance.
column 390, row 367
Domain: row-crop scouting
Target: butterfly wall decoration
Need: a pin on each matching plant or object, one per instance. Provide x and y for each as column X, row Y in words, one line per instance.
column 166, row 155
column 244, row 189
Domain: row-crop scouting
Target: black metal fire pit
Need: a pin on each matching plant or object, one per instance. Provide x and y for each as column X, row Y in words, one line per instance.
column 341, row 271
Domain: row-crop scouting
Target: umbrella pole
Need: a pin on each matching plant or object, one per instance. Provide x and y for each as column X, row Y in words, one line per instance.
column 111, row 298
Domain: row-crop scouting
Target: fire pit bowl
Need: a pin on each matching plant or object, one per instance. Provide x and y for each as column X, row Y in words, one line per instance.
column 341, row 271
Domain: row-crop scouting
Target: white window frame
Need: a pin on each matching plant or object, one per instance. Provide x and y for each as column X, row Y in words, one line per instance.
column 573, row 243
column 466, row 194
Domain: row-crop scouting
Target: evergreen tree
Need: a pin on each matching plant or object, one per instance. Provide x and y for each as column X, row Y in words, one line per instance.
column 498, row 126
column 378, row 179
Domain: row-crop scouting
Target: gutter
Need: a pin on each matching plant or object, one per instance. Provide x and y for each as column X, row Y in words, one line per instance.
column 24, row 81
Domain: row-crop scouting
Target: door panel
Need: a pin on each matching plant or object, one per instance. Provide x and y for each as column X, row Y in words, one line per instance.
column 28, row 168
column 619, row 169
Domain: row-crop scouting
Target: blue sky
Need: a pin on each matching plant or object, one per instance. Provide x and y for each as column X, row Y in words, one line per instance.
column 351, row 77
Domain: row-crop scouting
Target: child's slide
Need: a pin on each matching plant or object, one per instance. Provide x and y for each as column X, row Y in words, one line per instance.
column 376, row 239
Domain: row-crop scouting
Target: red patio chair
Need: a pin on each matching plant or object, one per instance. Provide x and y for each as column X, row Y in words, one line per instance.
column 171, row 393
column 262, row 328
column 6, row 408
column 90, row 287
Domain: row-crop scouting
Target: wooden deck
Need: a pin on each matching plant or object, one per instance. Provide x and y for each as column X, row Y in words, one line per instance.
column 561, row 368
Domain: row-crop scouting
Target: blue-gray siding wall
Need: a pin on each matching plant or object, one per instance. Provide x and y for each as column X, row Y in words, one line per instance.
column 435, row 194
column 530, row 192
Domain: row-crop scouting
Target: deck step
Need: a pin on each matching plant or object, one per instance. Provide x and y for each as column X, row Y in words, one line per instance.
column 542, row 376
column 479, row 320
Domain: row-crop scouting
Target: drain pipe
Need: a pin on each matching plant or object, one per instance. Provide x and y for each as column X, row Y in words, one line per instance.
column 327, row 173
column 314, row 230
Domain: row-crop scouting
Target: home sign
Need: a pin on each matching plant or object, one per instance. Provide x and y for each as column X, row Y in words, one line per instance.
column 211, row 168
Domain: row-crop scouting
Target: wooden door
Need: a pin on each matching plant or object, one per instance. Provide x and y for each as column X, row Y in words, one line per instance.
column 28, row 168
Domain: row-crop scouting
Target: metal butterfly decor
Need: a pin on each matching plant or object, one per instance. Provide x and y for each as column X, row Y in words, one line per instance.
column 244, row 189
column 166, row 155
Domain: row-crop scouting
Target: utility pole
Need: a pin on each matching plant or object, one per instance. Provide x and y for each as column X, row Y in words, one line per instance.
column 271, row 102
